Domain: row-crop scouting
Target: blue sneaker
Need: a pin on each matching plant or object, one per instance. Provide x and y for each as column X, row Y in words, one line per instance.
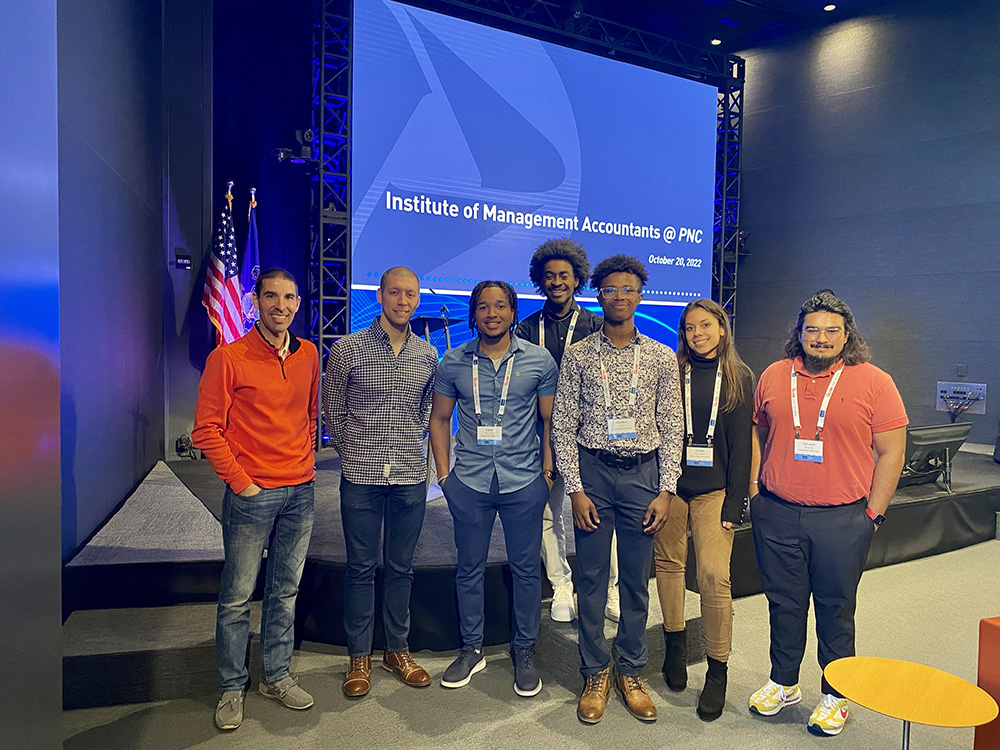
column 467, row 663
column 526, row 680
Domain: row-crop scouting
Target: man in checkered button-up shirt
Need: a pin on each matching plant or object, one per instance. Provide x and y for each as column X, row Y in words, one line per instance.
column 377, row 399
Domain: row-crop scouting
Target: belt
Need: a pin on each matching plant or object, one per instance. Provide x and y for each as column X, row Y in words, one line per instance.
column 614, row 461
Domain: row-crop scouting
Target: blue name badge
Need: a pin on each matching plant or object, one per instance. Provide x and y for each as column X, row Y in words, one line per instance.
column 621, row 429
column 489, row 435
column 700, row 455
column 809, row 450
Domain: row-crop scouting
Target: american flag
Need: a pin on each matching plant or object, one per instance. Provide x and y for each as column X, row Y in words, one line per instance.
column 222, row 282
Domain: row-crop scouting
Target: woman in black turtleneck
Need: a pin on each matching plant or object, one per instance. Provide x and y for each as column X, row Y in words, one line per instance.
column 712, row 492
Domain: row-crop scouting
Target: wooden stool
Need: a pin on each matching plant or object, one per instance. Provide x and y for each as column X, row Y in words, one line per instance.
column 988, row 735
column 911, row 692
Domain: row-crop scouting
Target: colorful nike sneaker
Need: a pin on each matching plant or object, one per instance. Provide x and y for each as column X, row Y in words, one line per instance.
column 773, row 697
column 829, row 717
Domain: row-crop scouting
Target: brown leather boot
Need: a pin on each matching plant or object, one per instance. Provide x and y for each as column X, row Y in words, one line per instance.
column 402, row 663
column 358, row 680
column 595, row 697
column 637, row 700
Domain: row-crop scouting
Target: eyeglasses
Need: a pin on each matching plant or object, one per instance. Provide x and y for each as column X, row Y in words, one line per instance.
column 611, row 291
column 811, row 332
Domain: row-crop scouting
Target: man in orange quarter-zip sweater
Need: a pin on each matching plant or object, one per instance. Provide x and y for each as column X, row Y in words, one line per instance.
column 255, row 422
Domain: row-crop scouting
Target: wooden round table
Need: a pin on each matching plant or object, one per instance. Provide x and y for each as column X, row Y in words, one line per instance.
column 911, row 692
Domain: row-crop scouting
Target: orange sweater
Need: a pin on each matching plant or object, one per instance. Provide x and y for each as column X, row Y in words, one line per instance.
column 256, row 416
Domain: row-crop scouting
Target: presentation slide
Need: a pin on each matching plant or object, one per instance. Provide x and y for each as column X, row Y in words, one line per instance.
column 472, row 146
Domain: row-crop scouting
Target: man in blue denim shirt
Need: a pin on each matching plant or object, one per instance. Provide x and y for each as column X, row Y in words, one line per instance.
column 502, row 385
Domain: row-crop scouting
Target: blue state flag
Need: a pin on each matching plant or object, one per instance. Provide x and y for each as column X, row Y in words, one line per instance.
column 250, row 269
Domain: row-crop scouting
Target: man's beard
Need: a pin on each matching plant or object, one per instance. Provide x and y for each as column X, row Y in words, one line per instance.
column 820, row 364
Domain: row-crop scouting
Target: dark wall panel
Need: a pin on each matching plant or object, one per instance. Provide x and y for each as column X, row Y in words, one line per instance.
column 29, row 379
column 110, row 263
column 869, row 167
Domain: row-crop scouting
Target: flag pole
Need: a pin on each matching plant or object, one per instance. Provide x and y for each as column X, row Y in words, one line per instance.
column 229, row 195
column 253, row 202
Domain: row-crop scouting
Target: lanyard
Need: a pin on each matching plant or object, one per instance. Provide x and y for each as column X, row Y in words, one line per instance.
column 569, row 333
column 822, row 407
column 503, row 393
column 604, row 377
column 715, row 404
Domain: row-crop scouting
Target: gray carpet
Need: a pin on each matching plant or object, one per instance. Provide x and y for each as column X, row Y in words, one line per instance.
column 162, row 521
column 926, row 611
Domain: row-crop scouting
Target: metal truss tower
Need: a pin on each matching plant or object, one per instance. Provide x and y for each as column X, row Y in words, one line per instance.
column 727, row 236
column 329, row 274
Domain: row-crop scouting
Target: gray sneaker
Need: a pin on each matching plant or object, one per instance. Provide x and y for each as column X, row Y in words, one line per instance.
column 288, row 692
column 229, row 712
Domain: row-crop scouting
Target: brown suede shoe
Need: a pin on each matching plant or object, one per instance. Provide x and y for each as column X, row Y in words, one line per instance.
column 402, row 663
column 358, row 680
column 637, row 701
column 595, row 697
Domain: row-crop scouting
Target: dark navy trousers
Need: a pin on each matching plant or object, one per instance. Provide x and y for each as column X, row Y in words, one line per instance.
column 803, row 551
column 621, row 497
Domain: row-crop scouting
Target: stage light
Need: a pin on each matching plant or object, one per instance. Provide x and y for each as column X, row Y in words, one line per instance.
column 830, row 7
column 716, row 42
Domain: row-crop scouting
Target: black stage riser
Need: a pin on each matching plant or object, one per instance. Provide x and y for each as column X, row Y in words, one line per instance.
column 913, row 530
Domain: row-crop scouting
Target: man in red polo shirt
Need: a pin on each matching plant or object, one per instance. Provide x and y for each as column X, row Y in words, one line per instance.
column 256, row 424
column 820, row 414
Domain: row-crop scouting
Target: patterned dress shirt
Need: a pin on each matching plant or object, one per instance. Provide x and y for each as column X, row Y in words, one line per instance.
column 580, row 417
column 378, row 405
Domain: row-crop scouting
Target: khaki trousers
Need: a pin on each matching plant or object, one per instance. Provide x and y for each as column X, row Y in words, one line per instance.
column 713, row 547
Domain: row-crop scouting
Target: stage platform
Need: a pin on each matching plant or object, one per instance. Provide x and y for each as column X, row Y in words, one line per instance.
column 164, row 547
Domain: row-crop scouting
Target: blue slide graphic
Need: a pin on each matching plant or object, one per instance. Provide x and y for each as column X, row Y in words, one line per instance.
column 471, row 146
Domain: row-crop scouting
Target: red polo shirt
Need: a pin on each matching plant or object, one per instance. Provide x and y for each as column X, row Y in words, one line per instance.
column 865, row 402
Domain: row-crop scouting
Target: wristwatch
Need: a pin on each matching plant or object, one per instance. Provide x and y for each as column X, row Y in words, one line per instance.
column 549, row 474
column 877, row 518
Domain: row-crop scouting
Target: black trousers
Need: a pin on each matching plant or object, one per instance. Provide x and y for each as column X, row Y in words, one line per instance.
column 804, row 551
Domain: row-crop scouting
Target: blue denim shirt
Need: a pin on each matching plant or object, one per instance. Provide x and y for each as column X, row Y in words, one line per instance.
column 517, row 461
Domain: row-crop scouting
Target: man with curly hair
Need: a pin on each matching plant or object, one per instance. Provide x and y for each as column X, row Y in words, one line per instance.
column 617, row 427
column 832, row 430
column 558, row 270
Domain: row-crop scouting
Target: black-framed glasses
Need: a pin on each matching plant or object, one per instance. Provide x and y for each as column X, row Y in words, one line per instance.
column 611, row 291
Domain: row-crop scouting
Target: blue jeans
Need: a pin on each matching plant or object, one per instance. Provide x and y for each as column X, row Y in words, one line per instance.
column 280, row 519
column 364, row 510
column 473, row 514
column 621, row 497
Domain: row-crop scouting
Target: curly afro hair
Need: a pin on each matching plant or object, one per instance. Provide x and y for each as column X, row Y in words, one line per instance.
column 618, row 264
column 562, row 249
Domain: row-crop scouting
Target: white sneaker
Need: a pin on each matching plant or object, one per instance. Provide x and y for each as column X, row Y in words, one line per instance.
column 563, row 609
column 829, row 717
column 773, row 697
column 613, row 609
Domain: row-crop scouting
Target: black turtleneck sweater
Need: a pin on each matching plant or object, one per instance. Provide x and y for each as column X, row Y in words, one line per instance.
column 730, row 468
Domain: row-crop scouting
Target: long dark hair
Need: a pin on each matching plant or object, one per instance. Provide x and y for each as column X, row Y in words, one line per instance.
column 855, row 349
column 504, row 287
column 734, row 369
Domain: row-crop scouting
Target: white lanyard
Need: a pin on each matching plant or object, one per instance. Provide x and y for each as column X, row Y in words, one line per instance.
column 569, row 333
column 715, row 405
column 503, row 393
column 604, row 377
column 822, row 407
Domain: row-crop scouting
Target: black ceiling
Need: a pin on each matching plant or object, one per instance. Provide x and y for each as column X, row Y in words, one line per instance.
column 738, row 24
